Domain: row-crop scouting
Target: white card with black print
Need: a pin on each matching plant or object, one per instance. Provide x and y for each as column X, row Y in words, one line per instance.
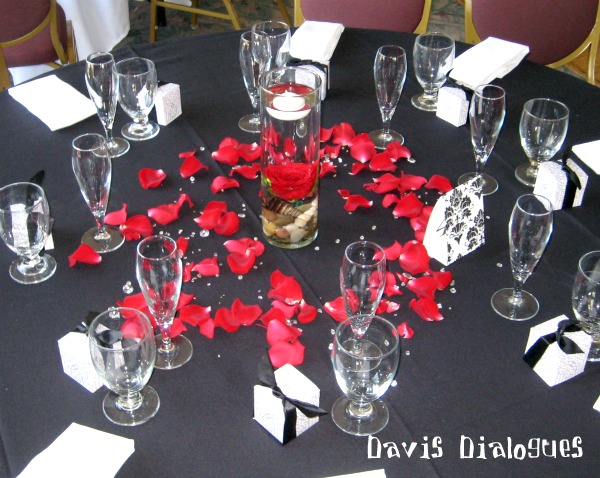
column 456, row 224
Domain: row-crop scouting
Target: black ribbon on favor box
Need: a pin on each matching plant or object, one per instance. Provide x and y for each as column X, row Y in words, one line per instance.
column 266, row 377
column 106, row 338
column 567, row 345
column 573, row 184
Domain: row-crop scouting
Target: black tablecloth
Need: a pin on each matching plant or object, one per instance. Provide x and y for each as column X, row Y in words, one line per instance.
column 459, row 379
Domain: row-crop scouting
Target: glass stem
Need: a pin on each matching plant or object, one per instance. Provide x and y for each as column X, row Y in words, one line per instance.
column 386, row 125
column 517, row 294
column 166, row 346
column 360, row 411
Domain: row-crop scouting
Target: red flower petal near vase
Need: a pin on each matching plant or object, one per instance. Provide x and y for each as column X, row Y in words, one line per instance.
column 151, row 178
column 246, row 171
column 414, row 258
column 285, row 288
column 250, row 152
column 343, row 134
column 116, row 218
column 211, row 214
column 220, row 183
column 86, row 255
column 207, row 267
column 362, row 148
column 228, row 224
column 241, row 263
column 227, row 154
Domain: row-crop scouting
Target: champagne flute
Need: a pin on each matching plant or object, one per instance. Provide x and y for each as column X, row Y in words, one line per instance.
column 433, row 56
column 159, row 273
column 25, row 226
column 277, row 35
column 250, row 72
column 529, row 231
column 486, row 117
column 389, row 71
column 123, row 351
column 102, row 84
column 543, row 128
column 93, row 169
column 362, row 281
column 364, row 373
column 586, row 299
column 137, row 90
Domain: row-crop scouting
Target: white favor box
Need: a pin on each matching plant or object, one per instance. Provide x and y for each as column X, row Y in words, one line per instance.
column 555, row 366
column 452, row 105
column 269, row 410
column 77, row 361
column 167, row 103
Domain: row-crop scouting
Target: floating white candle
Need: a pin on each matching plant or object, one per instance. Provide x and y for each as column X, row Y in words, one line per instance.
column 288, row 107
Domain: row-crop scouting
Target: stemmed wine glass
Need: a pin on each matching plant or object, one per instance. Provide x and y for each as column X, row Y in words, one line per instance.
column 529, row 231
column 137, row 89
column 586, row 299
column 362, row 281
column 93, row 169
column 123, row 351
column 25, row 226
column 389, row 71
column 486, row 116
column 250, row 73
column 159, row 273
column 543, row 128
column 277, row 35
column 433, row 56
column 364, row 373
column 103, row 85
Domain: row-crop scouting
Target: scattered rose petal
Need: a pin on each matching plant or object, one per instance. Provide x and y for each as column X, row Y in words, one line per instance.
column 194, row 314
column 285, row 288
column 151, row 178
column 207, row 267
column 136, row 227
column 410, row 182
column 343, row 134
column 182, row 244
column 228, row 224
column 427, row 309
column 220, row 183
column 116, row 218
column 86, row 255
column 409, row 205
column 278, row 331
column 211, row 214
column 307, row 313
column 441, row 183
column 362, row 148
column 245, row 314
column 397, row 151
column 246, row 171
column 423, row 287
column 405, row 331
column 393, row 252
column 190, row 166
column 442, row 279
column 414, row 258
column 336, row 309
column 283, row 353
column 250, row 152
column 382, row 162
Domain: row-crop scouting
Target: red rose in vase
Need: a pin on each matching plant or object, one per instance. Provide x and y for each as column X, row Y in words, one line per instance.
column 292, row 181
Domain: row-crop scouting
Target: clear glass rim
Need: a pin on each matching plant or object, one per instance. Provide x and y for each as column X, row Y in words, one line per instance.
column 136, row 59
column 281, row 70
column 395, row 336
column 99, row 143
column 560, row 104
column 155, row 238
column 498, row 94
column 271, row 24
column 544, row 200
column 374, row 245
column 439, row 35
column 95, row 58
column 149, row 330
column 24, row 184
column 397, row 49
column 584, row 270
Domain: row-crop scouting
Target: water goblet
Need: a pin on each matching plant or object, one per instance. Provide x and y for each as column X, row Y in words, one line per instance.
column 123, row 351
column 586, row 299
column 362, row 281
column 137, row 90
column 389, row 71
column 277, row 35
column 103, row 85
column 433, row 56
column 529, row 231
column 25, row 226
column 250, row 72
column 486, row 117
column 93, row 170
column 543, row 128
column 159, row 274
column 364, row 373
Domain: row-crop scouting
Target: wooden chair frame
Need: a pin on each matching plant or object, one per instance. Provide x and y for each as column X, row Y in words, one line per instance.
column 231, row 14
column 590, row 43
column 68, row 56
column 421, row 27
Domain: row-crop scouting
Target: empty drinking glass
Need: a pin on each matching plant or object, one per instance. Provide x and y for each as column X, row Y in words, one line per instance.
column 123, row 351
column 586, row 299
column 364, row 373
column 529, row 231
column 25, row 226
column 250, row 73
column 543, row 128
column 137, row 90
column 389, row 71
column 103, row 85
column 93, row 169
column 433, row 56
column 279, row 42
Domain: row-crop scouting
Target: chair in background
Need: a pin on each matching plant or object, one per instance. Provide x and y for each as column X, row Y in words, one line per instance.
column 231, row 14
column 394, row 15
column 33, row 33
column 556, row 31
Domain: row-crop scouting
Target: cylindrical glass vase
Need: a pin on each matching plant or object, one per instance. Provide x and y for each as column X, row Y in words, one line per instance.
column 290, row 116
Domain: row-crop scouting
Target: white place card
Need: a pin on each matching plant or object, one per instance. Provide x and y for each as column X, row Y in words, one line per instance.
column 456, row 224
column 77, row 362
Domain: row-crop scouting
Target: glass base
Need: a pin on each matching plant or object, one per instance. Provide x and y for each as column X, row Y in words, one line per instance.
column 114, row 240
column 423, row 103
column 369, row 425
column 250, row 123
column 381, row 139
column 179, row 355
column 526, row 174
column 490, row 185
column 147, row 408
column 504, row 305
column 118, row 147
column 23, row 274
column 138, row 132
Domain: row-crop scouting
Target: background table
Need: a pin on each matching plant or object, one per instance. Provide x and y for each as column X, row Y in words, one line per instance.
column 463, row 376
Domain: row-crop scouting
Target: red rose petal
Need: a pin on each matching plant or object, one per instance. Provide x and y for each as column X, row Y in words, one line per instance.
column 405, row 331
column 278, row 331
column 442, row 279
column 397, row 151
column 283, row 353
column 391, row 288
column 116, row 218
column 272, row 314
column 227, row 320
column 393, row 252
column 136, row 227
column 424, row 287
column 86, row 255
column 151, row 178
column 327, row 167
column 194, row 314
column 354, row 201
column 336, row 309
column 325, row 134
column 211, row 214
column 307, row 313
column 207, row 328
column 247, row 171
column 389, row 199
column 240, row 263
column 414, row 258
column 182, row 244
column 427, row 309
column 362, row 148
column 228, row 224
column 191, row 166
column 244, row 246
column 410, row 182
column 177, row 328
column 409, row 205
column 250, row 152
column 220, row 183
column 343, row 134
column 207, row 267
column 246, row 314
column 288, row 310
column 227, row 154
column 441, row 183
column 285, row 288
column 333, row 151
column 382, row 162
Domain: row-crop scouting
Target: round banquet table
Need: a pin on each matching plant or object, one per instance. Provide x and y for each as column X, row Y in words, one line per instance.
column 460, row 380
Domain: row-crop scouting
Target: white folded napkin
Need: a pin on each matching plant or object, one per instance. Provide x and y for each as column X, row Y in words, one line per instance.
column 589, row 153
column 492, row 58
column 81, row 451
column 53, row 101
column 316, row 41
